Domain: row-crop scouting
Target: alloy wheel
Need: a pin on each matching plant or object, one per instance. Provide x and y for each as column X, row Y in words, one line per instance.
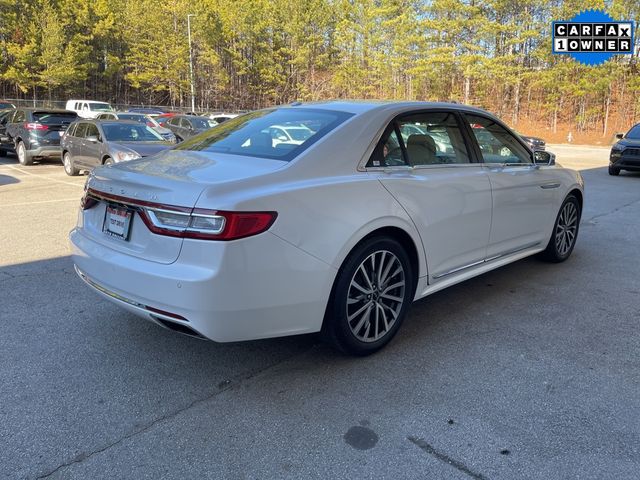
column 566, row 229
column 66, row 160
column 376, row 295
column 22, row 153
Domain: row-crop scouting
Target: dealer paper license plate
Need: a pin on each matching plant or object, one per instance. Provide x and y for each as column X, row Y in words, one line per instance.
column 117, row 222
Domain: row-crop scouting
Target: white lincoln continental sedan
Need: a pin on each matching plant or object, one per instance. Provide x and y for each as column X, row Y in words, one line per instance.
column 236, row 234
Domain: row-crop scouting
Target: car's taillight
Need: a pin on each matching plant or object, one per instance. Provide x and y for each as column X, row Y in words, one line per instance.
column 35, row 126
column 88, row 201
column 184, row 222
column 207, row 224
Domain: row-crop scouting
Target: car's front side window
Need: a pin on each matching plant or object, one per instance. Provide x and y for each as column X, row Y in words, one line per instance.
column 81, row 130
column 496, row 143
column 92, row 131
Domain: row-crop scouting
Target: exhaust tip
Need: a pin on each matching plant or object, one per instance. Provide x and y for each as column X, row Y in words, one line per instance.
column 178, row 327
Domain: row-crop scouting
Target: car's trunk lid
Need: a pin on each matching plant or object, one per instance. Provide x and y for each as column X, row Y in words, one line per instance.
column 170, row 179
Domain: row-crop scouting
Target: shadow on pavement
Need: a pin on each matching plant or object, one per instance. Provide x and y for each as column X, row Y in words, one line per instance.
column 8, row 180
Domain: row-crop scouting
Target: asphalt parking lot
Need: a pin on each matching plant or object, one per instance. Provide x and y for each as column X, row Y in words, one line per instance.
column 531, row 371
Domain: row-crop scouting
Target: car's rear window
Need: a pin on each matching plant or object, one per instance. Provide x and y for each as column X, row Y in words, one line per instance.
column 256, row 134
column 135, row 117
column 200, row 122
column 54, row 118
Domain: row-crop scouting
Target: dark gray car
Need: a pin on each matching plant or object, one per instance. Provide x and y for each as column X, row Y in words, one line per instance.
column 185, row 126
column 90, row 143
column 140, row 118
column 34, row 133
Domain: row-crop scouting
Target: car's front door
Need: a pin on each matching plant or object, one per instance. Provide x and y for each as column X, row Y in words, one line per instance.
column 525, row 196
column 77, row 144
column 432, row 173
column 173, row 124
column 93, row 145
column 4, row 138
column 186, row 128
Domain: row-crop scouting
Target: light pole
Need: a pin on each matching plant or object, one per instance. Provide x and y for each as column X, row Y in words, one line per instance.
column 193, row 94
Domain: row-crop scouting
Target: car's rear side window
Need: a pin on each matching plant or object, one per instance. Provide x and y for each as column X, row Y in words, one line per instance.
column 54, row 118
column 250, row 134
column 432, row 138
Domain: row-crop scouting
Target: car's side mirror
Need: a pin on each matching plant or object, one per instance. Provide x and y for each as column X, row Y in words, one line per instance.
column 619, row 136
column 540, row 157
column 93, row 139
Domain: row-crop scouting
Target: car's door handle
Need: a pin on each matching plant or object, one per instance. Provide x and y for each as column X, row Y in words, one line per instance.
column 550, row 185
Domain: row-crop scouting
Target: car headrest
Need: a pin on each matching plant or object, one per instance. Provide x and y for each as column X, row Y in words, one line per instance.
column 424, row 140
column 261, row 140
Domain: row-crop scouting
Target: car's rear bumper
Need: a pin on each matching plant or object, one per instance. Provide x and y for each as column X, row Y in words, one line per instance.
column 253, row 288
column 49, row 151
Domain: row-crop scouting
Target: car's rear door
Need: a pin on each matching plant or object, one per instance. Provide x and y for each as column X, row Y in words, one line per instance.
column 525, row 196
column 440, row 185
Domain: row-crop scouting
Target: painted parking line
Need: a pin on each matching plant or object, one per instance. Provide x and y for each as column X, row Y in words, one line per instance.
column 81, row 185
column 21, row 204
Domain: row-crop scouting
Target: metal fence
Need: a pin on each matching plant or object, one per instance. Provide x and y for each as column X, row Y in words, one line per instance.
column 21, row 102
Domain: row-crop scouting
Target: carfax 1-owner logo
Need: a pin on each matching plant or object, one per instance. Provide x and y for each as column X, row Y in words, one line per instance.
column 592, row 37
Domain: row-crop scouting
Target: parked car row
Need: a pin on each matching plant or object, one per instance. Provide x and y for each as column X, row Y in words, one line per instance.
column 90, row 133
column 34, row 134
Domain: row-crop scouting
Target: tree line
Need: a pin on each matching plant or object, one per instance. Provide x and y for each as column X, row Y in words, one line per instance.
column 249, row 54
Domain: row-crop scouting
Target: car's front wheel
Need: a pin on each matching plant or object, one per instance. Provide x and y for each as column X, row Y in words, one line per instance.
column 370, row 298
column 565, row 231
column 614, row 171
column 23, row 155
column 69, row 167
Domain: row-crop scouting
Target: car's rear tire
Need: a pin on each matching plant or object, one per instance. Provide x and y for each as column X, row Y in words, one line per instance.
column 614, row 171
column 108, row 161
column 24, row 156
column 69, row 167
column 370, row 297
column 3, row 152
column 565, row 231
